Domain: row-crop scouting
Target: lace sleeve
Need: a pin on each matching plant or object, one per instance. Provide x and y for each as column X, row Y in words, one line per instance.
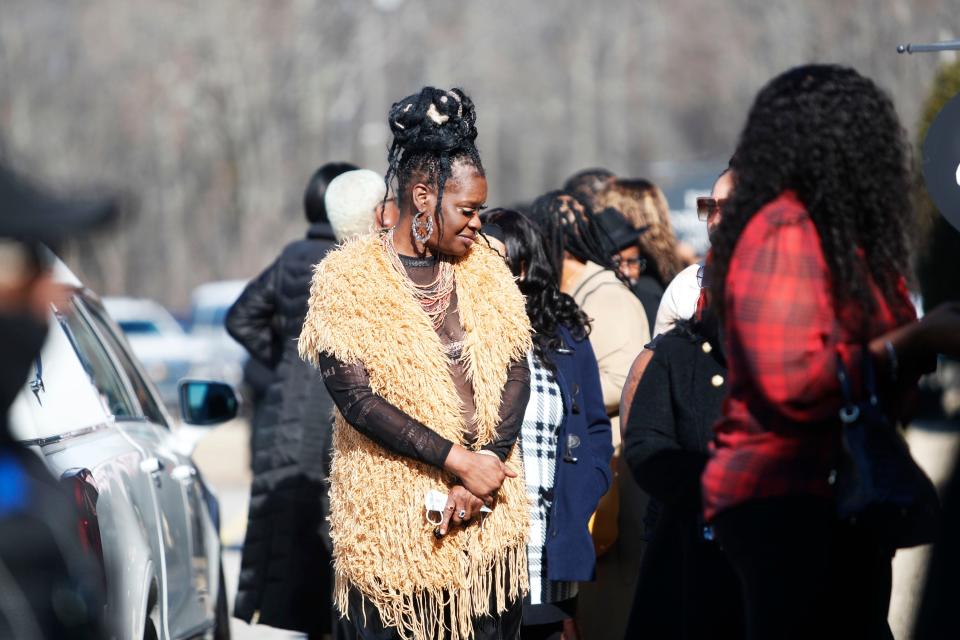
column 513, row 404
column 374, row 417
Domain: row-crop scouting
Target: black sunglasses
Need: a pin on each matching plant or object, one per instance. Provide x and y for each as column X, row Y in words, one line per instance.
column 707, row 207
column 629, row 262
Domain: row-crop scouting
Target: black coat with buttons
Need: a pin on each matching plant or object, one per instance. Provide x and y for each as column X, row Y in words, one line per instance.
column 686, row 588
column 671, row 420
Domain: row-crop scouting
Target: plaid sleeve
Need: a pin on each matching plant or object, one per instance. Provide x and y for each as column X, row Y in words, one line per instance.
column 781, row 320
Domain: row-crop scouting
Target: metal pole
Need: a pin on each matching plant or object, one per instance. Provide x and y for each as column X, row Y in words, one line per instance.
column 948, row 45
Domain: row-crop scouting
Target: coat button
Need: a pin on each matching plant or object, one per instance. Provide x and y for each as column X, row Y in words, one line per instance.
column 717, row 380
column 707, row 348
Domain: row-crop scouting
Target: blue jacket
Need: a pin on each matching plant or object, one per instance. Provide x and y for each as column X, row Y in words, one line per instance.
column 584, row 449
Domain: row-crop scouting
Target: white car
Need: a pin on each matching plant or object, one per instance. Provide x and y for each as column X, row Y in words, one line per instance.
column 209, row 305
column 92, row 415
column 166, row 351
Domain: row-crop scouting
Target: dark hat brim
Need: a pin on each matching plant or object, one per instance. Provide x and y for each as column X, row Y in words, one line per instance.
column 29, row 214
column 620, row 232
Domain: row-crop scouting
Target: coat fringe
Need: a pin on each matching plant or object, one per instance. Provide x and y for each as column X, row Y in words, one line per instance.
column 383, row 546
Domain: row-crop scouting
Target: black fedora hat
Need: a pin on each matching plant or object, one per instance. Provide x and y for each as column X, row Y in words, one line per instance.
column 619, row 231
column 30, row 214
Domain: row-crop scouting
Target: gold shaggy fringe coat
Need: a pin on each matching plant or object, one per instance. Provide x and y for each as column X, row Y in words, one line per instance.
column 383, row 545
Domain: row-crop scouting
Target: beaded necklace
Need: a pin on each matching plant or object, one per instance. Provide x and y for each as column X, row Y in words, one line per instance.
column 434, row 297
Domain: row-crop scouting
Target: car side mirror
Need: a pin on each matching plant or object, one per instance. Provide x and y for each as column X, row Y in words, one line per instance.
column 204, row 403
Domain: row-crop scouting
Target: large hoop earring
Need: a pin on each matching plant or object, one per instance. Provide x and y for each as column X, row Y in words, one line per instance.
column 422, row 229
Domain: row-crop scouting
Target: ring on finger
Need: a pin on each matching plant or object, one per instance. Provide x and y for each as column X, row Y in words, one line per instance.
column 462, row 514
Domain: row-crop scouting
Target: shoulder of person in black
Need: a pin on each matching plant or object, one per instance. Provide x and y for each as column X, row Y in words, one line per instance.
column 649, row 291
column 675, row 406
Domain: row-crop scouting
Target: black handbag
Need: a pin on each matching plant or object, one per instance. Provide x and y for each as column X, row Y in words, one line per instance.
column 877, row 482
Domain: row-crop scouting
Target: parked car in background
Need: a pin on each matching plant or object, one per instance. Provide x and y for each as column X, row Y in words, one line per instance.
column 208, row 309
column 167, row 352
column 91, row 413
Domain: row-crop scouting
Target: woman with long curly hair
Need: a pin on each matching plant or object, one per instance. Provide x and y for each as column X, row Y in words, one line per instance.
column 809, row 270
column 565, row 435
column 421, row 336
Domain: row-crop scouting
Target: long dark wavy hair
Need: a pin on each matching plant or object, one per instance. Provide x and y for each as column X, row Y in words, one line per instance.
column 567, row 225
column 547, row 307
column 833, row 137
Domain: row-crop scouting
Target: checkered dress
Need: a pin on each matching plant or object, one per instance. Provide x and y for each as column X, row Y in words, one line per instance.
column 538, row 437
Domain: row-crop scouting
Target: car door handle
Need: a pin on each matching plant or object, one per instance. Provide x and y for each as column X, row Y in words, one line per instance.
column 183, row 473
column 151, row 465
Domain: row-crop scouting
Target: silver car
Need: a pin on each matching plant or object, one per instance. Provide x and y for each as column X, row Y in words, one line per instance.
column 165, row 350
column 90, row 412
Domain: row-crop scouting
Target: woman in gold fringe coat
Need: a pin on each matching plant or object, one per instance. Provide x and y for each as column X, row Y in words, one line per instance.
column 421, row 336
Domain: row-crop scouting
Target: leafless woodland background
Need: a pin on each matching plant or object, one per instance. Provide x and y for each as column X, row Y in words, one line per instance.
column 211, row 114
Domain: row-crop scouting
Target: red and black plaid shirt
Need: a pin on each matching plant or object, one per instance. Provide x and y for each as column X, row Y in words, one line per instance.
column 779, row 431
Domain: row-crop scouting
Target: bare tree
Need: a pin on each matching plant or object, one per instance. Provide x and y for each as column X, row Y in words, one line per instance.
column 212, row 114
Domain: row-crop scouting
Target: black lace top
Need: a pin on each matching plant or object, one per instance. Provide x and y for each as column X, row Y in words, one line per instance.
column 393, row 429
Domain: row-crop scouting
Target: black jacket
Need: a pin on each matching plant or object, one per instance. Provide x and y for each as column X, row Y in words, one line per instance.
column 285, row 571
column 685, row 588
column 649, row 290
column 677, row 403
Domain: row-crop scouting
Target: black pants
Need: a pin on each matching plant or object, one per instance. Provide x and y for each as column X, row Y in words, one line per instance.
column 804, row 574
column 686, row 588
column 505, row 626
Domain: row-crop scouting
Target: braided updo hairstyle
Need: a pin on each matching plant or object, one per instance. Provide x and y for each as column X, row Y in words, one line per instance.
column 432, row 130
column 833, row 137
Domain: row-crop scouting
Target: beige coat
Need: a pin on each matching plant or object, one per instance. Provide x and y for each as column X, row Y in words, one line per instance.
column 619, row 330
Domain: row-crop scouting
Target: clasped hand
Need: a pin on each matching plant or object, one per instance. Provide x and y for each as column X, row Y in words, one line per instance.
column 481, row 476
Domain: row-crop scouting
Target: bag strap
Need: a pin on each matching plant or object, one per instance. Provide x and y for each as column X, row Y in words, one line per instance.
column 849, row 412
column 869, row 375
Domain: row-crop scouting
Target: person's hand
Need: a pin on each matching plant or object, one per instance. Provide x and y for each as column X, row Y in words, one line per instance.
column 571, row 630
column 917, row 344
column 461, row 507
column 481, row 474
column 940, row 330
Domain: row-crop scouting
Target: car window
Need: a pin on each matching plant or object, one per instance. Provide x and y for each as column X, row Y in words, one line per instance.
column 97, row 363
column 58, row 396
column 145, row 396
column 220, row 316
column 202, row 318
column 139, row 328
